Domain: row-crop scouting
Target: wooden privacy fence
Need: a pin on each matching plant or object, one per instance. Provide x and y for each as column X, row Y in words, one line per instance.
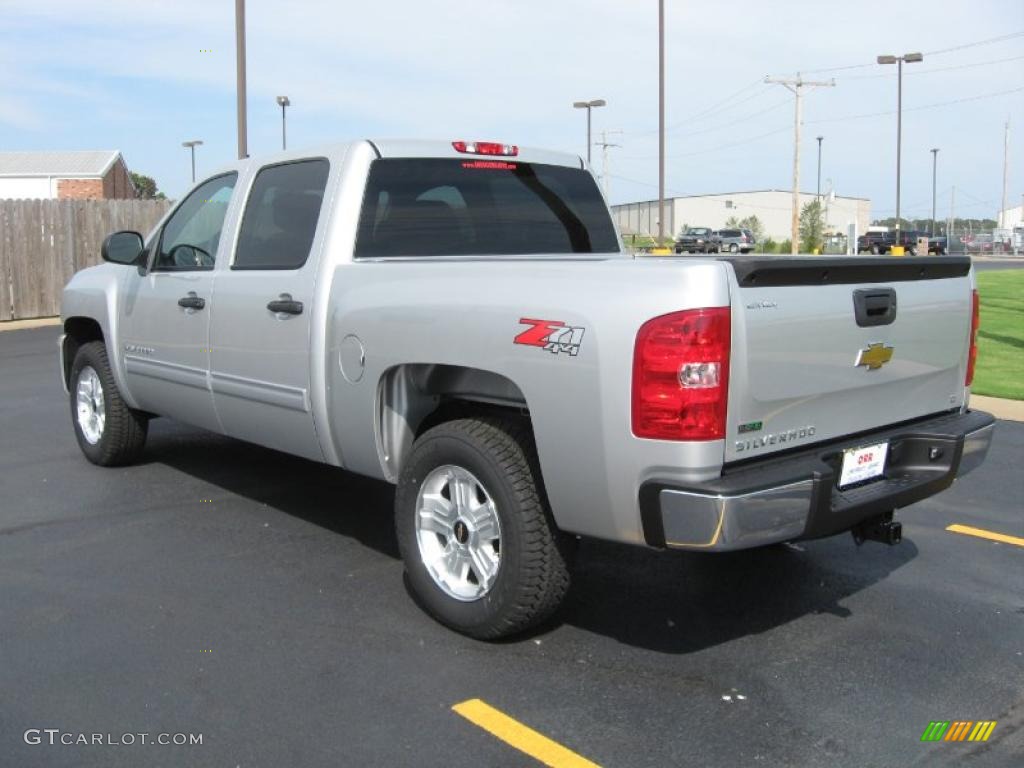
column 44, row 242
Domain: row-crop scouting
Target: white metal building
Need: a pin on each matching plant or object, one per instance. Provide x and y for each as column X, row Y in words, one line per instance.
column 771, row 206
column 1012, row 217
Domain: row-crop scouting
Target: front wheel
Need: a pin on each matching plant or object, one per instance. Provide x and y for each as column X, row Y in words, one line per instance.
column 481, row 552
column 875, row 250
column 109, row 432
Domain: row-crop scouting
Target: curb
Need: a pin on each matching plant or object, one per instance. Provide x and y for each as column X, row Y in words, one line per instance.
column 1011, row 410
column 37, row 322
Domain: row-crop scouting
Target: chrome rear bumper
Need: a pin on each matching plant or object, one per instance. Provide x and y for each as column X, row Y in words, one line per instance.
column 796, row 496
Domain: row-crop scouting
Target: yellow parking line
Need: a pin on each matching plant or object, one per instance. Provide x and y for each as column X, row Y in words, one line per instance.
column 981, row 533
column 521, row 737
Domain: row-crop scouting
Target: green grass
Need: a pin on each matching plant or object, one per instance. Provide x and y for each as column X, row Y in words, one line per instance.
column 1000, row 368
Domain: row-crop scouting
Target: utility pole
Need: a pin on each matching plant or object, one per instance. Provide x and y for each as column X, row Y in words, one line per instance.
column 1006, row 165
column 604, row 144
column 796, row 86
column 818, row 193
column 661, row 123
column 935, row 163
column 243, row 143
column 952, row 219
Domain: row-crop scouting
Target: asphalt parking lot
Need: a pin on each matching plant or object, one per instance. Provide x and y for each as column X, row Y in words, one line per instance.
column 222, row 589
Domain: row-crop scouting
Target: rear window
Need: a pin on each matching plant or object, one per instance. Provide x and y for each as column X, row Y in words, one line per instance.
column 730, row 233
column 469, row 207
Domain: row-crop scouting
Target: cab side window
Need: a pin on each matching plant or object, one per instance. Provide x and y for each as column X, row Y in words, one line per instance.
column 190, row 237
column 281, row 215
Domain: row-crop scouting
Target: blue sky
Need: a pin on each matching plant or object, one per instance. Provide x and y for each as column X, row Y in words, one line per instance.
column 134, row 75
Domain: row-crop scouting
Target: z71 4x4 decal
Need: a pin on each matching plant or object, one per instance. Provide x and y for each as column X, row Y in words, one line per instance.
column 552, row 335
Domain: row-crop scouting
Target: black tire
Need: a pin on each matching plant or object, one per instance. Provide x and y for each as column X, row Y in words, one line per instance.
column 532, row 577
column 124, row 431
column 733, row 248
column 875, row 250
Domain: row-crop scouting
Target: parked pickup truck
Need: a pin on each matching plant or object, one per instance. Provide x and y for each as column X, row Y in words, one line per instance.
column 698, row 240
column 460, row 319
column 882, row 242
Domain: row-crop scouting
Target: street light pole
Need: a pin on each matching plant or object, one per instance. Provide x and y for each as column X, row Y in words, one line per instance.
column 588, row 105
column 935, row 163
column 285, row 102
column 661, row 123
column 191, row 145
column 818, row 193
column 909, row 58
column 243, row 142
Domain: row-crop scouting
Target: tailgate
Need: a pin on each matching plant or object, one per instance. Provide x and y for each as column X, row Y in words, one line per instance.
column 829, row 347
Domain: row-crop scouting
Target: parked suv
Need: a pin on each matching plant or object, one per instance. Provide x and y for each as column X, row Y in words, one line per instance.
column 698, row 240
column 736, row 240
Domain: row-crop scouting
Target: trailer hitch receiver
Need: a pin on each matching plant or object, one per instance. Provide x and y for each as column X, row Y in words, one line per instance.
column 881, row 528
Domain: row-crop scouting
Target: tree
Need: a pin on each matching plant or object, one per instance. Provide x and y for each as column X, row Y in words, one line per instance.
column 812, row 226
column 750, row 222
column 755, row 226
column 145, row 187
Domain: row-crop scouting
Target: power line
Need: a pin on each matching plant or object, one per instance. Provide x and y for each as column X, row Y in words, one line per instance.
column 720, row 106
column 928, row 71
column 940, row 51
column 724, row 126
column 1001, row 38
column 918, row 108
column 712, row 149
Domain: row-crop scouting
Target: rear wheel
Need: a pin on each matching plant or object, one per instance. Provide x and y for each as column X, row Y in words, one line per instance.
column 108, row 431
column 733, row 248
column 875, row 250
column 481, row 551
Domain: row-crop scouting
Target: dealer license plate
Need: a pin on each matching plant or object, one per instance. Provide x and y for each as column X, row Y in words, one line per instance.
column 860, row 464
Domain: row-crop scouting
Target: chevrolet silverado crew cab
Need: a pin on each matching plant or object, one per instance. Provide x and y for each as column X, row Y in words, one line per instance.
column 461, row 319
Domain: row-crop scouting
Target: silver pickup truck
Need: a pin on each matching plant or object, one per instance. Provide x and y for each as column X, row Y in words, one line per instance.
column 460, row 319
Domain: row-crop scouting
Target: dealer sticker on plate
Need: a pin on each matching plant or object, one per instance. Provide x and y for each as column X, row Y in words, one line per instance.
column 860, row 464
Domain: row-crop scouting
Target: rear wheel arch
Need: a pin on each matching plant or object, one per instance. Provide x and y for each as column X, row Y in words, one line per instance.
column 414, row 397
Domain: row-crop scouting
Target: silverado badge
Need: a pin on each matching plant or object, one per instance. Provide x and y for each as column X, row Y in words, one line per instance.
column 874, row 357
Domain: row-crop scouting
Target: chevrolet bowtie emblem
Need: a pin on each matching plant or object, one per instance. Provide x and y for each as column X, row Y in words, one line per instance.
column 874, row 357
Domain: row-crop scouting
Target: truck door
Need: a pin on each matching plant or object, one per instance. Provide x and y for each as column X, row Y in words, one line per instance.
column 165, row 314
column 260, row 332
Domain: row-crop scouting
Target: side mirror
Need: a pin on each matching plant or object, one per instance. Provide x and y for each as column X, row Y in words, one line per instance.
column 122, row 248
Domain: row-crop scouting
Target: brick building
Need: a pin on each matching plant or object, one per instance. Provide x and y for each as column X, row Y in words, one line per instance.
column 65, row 175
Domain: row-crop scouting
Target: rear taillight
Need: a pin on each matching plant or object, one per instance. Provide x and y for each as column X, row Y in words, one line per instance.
column 486, row 148
column 972, row 354
column 681, row 375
